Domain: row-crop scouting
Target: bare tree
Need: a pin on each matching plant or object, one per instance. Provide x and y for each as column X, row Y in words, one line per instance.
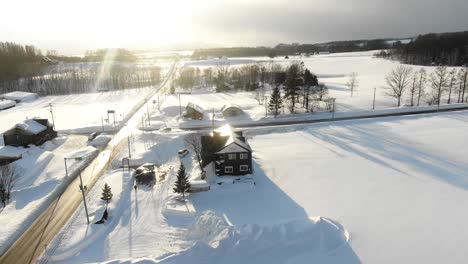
column 422, row 81
column 260, row 95
column 463, row 81
column 397, row 82
column 353, row 82
column 439, row 81
column 193, row 142
column 451, row 82
column 8, row 177
column 414, row 87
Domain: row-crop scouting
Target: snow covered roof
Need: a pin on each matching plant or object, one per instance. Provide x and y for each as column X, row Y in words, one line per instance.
column 234, row 147
column 196, row 107
column 4, row 104
column 20, row 96
column 11, row 152
column 225, row 107
column 234, row 143
column 31, row 126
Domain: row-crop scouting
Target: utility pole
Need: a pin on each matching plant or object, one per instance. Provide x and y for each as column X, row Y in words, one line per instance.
column 265, row 102
column 373, row 104
column 52, row 114
column 212, row 119
column 180, row 107
column 82, row 189
column 102, row 124
column 129, row 147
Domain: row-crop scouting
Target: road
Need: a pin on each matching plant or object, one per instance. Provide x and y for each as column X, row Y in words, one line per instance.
column 35, row 239
column 322, row 120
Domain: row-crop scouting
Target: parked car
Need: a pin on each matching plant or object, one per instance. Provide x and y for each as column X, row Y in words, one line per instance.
column 145, row 167
column 182, row 153
column 165, row 129
column 93, row 135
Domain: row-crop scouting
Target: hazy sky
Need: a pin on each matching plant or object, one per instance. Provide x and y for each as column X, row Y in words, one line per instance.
column 74, row 26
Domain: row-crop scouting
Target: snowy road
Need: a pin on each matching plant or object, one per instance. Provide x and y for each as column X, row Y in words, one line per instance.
column 36, row 238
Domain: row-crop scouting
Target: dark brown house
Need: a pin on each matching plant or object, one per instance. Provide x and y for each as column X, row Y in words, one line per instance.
column 229, row 151
column 193, row 111
column 32, row 131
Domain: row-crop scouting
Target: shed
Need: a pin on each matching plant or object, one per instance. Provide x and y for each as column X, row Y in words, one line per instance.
column 193, row 111
column 6, row 104
column 231, row 110
column 19, row 96
column 9, row 154
column 32, row 131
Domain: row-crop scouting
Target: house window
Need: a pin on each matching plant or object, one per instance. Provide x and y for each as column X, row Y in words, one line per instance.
column 244, row 168
column 244, row 156
column 232, row 156
column 228, row 169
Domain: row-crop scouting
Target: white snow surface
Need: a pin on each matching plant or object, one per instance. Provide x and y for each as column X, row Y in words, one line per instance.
column 78, row 113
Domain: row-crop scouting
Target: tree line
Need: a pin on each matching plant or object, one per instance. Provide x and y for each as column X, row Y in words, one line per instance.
column 449, row 49
column 86, row 77
column 419, row 86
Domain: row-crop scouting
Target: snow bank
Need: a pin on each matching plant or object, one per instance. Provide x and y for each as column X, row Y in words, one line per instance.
column 20, row 96
column 100, row 141
column 5, row 104
column 217, row 241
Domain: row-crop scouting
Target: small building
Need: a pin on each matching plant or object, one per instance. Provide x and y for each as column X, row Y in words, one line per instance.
column 193, row 111
column 228, row 150
column 6, row 104
column 19, row 96
column 231, row 110
column 32, row 131
column 9, row 154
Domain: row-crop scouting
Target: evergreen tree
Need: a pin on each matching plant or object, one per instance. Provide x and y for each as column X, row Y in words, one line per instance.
column 182, row 184
column 275, row 102
column 106, row 194
column 293, row 81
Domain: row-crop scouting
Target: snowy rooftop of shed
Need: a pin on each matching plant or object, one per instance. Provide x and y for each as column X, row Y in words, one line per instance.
column 31, row 126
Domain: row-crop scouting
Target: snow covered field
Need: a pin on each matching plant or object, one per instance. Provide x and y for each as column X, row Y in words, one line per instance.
column 391, row 184
column 42, row 177
column 331, row 69
column 77, row 113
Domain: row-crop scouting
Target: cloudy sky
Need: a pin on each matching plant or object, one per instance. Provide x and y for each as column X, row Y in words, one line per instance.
column 74, row 26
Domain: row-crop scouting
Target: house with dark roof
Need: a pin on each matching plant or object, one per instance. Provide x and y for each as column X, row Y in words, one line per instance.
column 228, row 150
column 32, row 131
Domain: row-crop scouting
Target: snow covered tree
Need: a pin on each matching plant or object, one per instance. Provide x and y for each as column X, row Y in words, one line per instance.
column 353, row 82
column 397, row 82
column 451, row 83
column 439, row 82
column 106, row 194
column 463, row 81
column 414, row 88
column 8, row 176
column 292, row 84
column 275, row 102
column 422, row 81
column 182, row 184
column 193, row 142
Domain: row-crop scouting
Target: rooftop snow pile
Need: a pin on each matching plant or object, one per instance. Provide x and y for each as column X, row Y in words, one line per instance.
column 20, row 96
column 31, row 126
column 292, row 242
column 11, row 152
column 100, row 141
column 5, row 104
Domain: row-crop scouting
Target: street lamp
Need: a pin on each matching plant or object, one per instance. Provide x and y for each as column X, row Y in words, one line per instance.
column 82, row 188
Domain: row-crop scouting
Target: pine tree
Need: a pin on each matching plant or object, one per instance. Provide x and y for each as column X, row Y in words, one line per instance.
column 182, row 184
column 106, row 194
column 293, row 81
column 275, row 102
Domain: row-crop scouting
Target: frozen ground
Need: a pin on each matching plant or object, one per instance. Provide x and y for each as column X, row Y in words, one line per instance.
column 396, row 186
column 77, row 113
column 42, row 177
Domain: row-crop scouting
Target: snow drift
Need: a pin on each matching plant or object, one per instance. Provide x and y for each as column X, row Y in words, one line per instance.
column 217, row 241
